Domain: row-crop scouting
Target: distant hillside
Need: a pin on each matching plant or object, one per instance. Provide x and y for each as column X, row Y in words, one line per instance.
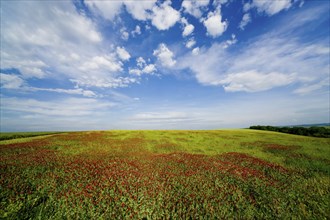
column 313, row 131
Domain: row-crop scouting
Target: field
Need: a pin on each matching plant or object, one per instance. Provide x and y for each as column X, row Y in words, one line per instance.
column 240, row 174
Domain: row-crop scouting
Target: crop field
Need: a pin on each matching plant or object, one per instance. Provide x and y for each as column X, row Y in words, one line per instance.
column 236, row 174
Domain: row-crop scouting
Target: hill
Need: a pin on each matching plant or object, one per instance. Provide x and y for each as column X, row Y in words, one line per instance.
column 165, row 174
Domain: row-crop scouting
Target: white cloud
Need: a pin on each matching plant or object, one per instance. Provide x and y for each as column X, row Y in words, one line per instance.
column 93, row 81
column 156, row 117
column 143, row 68
column 140, row 10
column 190, row 43
column 195, row 51
column 47, row 45
column 253, row 81
column 137, row 30
column 164, row 16
column 140, row 62
column 10, row 81
column 77, row 91
column 246, row 7
column 107, row 62
column 230, row 42
column 214, row 25
column 218, row 3
column 137, row 72
column 164, row 55
column 308, row 88
column 64, row 108
column 268, row 62
column 245, row 20
column 187, row 28
column 195, row 7
column 271, row 7
column 108, row 9
column 32, row 44
column 124, row 34
column 149, row 69
column 123, row 54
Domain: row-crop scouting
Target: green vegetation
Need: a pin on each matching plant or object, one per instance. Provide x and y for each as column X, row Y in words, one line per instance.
column 241, row 174
column 306, row 131
column 15, row 135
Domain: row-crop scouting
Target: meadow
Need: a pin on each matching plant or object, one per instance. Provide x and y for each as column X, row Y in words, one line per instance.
column 218, row 174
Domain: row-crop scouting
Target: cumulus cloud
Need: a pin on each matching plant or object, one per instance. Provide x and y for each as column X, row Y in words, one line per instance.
column 136, row 31
column 150, row 68
column 139, row 10
column 104, row 82
column 109, row 9
column 124, row 34
column 123, row 54
column 143, row 68
column 230, row 42
column 245, row 20
column 190, row 43
column 218, row 3
column 187, row 28
column 215, row 27
column 246, row 7
column 140, row 62
column 164, row 16
column 194, row 7
column 195, row 51
column 106, row 62
column 164, row 55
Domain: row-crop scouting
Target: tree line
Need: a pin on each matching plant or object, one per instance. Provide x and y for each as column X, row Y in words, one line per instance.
column 306, row 131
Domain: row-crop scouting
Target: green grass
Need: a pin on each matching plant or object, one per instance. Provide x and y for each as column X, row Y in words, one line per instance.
column 242, row 174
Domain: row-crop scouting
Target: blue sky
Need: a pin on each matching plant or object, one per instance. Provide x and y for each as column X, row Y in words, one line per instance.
column 89, row 65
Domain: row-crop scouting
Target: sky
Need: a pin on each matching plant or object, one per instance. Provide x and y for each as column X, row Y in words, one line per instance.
column 180, row 64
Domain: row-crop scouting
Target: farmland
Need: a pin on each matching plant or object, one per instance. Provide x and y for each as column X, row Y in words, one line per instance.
column 243, row 174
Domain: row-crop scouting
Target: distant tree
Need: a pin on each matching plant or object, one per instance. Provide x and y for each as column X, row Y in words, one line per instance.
column 311, row 131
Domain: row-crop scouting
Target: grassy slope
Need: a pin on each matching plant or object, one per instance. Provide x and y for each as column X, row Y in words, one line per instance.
column 305, row 196
column 16, row 135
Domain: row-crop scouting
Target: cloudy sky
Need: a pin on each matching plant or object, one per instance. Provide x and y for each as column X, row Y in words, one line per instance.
column 124, row 64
